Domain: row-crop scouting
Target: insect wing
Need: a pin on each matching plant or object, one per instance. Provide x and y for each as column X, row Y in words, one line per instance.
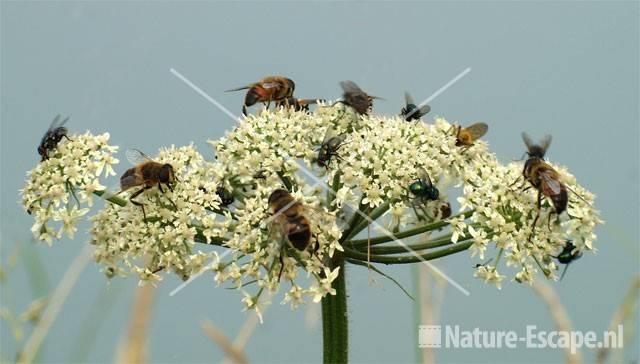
column 550, row 185
column 424, row 176
column 528, row 142
column 545, row 142
column 135, row 157
column 350, row 87
column 408, row 99
column 477, row 130
column 425, row 110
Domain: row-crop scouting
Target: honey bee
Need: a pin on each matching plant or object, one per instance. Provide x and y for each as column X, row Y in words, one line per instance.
column 568, row 255
column 298, row 104
column 356, row 98
column 146, row 173
column 271, row 88
column 410, row 111
column 290, row 216
column 465, row 137
column 52, row 137
column 329, row 148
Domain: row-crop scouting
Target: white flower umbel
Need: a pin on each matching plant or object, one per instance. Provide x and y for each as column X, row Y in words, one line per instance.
column 378, row 159
column 61, row 187
column 126, row 243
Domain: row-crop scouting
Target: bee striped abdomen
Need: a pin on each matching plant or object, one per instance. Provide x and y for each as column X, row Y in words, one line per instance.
column 255, row 95
column 560, row 200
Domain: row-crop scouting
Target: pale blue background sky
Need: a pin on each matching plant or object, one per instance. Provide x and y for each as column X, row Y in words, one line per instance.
column 570, row 69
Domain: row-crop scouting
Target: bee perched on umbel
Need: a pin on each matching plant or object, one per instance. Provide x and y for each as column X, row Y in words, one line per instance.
column 268, row 89
column 148, row 174
column 356, row 98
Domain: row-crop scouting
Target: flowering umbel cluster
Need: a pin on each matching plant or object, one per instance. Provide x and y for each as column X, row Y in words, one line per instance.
column 225, row 203
column 61, row 187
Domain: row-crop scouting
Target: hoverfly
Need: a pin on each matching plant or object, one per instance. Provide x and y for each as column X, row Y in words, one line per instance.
column 329, row 148
column 568, row 254
column 271, row 88
column 356, row 98
column 543, row 177
column 146, row 173
column 289, row 216
column 298, row 104
column 410, row 111
column 52, row 137
column 465, row 137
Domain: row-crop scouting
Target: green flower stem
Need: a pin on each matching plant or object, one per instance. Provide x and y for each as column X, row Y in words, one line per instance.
column 407, row 233
column 395, row 249
column 361, row 223
column 335, row 186
column 335, row 333
column 113, row 199
column 407, row 259
column 355, row 220
column 200, row 238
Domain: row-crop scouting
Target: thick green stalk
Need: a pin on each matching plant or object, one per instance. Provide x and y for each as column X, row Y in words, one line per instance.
column 407, row 259
column 113, row 199
column 360, row 223
column 395, row 249
column 335, row 333
column 407, row 233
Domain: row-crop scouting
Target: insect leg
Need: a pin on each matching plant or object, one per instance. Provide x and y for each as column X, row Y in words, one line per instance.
column 136, row 194
column 535, row 221
column 564, row 271
column 282, row 252
column 65, row 136
column 170, row 188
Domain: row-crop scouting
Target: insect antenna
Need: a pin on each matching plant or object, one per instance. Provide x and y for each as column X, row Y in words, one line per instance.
column 564, row 271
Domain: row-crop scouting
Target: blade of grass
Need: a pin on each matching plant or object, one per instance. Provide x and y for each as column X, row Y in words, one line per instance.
column 133, row 346
column 219, row 338
column 31, row 348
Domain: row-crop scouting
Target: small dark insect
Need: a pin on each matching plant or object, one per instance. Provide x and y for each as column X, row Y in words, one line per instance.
column 226, row 196
column 410, row 111
column 52, row 137
column 465, row 137
column 146, row 173
column 423, row 189
column 478, row 265
column 298, row 104
column 271, row 88
column 356, row 98
column 329, row 148
column 568, row 255
column 445, row 210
